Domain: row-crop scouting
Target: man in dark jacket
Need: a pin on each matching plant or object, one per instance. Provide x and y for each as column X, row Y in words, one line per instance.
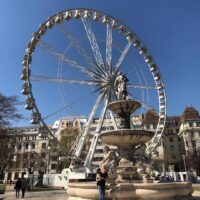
column 18, row 186
column 101, row 177
column 24, row 186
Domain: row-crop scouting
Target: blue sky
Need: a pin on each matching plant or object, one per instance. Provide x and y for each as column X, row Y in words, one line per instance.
column 169, row 28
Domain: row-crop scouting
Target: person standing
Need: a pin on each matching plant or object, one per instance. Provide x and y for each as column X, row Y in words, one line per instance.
column 18, row 186
column 24, row 186
column 101, row 177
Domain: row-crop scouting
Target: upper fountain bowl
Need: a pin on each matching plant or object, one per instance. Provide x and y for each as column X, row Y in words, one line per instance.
column 124, row 106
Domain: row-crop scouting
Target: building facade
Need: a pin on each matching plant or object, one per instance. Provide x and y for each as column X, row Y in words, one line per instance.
column 34, row 152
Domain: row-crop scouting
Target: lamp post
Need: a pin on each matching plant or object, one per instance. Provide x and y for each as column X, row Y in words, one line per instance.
column 184, row 157
column 48, row 162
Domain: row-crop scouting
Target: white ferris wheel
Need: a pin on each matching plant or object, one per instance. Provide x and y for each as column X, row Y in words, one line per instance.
column 70, row 66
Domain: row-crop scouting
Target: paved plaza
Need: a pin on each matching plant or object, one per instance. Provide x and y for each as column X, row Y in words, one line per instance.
column 51, row 195
column 45, row 195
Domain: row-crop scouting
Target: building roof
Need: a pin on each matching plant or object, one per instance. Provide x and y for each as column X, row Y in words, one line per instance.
column 190, row 113
column 173, row 120
column 151, row 116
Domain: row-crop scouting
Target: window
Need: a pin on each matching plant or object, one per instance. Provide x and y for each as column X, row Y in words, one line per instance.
column 69, row 124
column 16, row 175
column 33, row 146
column 154, row 126
column 99, row 151
column 54, row 158
column 111, row 128
column 171, row 147
column 147, row 126
column 171, row 139
column 53, row 166
column 19, row 147
column 17, row 164
column 44, row 145
column 177, row 130
column 26, row 146
column 32, row 156
column 92, row 128
column 190, row 124
column 43, row 155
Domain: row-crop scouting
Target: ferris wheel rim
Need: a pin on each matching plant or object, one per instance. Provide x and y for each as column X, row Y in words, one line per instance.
column 142, row 50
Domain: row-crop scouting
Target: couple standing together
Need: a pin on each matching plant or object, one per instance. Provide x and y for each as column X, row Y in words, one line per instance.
column 21, row 184
column 101, row 177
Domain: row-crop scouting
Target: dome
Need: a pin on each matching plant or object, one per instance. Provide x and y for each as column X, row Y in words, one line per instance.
column 190, row 113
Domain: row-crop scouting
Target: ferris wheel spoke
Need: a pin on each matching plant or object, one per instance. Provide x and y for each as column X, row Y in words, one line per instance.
column 109, row 47
column 122, row 56
column 77, row 45
column 51, row 50
column 64, row 80
column 141, row 86
column 69, row 105
column 93, row 43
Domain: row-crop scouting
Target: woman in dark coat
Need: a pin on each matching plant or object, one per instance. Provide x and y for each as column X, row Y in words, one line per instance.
column 18, row 186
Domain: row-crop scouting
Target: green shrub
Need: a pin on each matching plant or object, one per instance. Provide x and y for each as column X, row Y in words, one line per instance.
column 2, row 188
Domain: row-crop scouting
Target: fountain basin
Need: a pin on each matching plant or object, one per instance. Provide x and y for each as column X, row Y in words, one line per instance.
column 132, row 191
column 124, row 106
column 126, row 137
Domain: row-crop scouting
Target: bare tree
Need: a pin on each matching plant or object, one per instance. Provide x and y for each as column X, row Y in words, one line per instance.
column 193, row 160
column 8, row 113
column 8, row 110
column 7, row 147
column 68, row 136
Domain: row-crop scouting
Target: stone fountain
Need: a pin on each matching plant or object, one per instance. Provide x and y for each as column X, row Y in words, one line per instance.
column 126, row 139
column 126, row 182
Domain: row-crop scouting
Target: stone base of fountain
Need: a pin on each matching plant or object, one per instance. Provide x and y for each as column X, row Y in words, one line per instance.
column 132, row 191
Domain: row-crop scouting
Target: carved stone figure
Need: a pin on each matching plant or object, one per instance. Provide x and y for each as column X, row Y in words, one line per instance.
column 120, row 86
column 109, row 161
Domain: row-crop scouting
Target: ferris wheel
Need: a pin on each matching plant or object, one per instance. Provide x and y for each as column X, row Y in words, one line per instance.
column 70, row 66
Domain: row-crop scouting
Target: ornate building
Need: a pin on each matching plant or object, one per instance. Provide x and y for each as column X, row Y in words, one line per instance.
column 180, row 138
column 34, row 153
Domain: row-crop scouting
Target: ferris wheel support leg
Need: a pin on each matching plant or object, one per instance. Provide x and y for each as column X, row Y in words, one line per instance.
column 95, row 138
column 83, row 138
